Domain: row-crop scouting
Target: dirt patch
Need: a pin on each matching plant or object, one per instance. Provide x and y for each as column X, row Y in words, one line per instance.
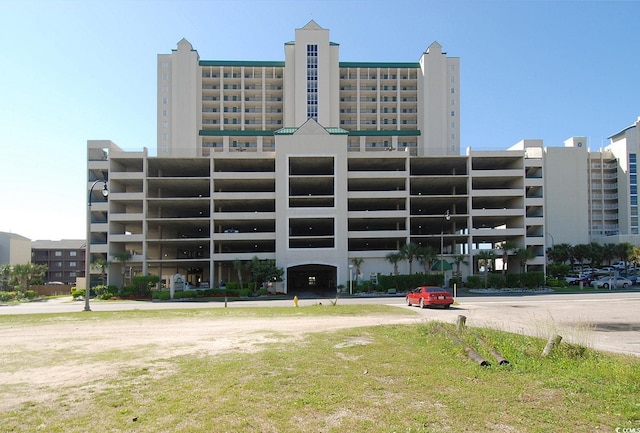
column 39, row 360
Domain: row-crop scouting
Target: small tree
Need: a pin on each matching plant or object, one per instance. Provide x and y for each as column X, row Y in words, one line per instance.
column 486, row 257
column 102, row 264
column 459, row 260
column 426, row 255
column 507, row 247
column 394, row 258
column 123, row 258
column 22, row 276
column 238, row 266
column 264, row 271
column 409, row 252
column 357, row 262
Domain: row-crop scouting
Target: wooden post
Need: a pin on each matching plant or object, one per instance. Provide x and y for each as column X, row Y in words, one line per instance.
column 460, row 323
column 553, row 342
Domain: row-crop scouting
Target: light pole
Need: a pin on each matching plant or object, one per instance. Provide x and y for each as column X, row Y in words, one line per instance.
column 350, row 279
column 87, row 254
column 446, row 216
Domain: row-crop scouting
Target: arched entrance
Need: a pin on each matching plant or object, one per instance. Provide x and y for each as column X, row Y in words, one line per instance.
column 312, row 280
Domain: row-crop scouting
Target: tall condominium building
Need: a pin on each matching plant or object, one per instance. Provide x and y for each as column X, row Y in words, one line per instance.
column 208, row 106
column 314, row 162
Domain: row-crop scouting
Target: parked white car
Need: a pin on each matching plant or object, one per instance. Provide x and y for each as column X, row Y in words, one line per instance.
column 606, row 282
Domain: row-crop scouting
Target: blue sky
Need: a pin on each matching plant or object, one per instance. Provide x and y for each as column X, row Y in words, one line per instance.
column 79, row 70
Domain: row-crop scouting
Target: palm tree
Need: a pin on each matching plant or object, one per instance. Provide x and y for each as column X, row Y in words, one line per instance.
column 596, row 254
column 123, row 258
column 581, row 252
column 394, row 258
column 507, row 247
column 486, row 257
column 459, row 260
column 560, row 253
column 524, row 255
column 409, row 252
column 426, row 255
column 625, row 251
column 238, row 265
column 357, row 262
column 609, row 252
column 102, row 264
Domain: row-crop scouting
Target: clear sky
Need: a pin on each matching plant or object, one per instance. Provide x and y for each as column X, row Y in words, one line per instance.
column 73, row 71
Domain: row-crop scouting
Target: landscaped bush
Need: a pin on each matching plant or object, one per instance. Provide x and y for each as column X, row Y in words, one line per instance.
column 245, row 293
column 532, row 280
column 403, row 283
column 513, row 280
column 7, row 296
column 160, row 295
column 495, row 281
column 232, row 286
column 475, row 282
column 30, row 294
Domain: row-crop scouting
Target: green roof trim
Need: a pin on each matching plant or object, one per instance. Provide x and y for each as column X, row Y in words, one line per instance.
column 290, row 130
column 401, row 132
column 379, row 65
column 257, row 63
column 233, row 132
column 331, row 130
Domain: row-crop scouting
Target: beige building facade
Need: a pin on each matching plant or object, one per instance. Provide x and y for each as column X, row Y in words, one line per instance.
column 314, row 162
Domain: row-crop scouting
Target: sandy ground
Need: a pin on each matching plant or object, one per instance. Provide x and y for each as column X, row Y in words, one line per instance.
column 31, row 368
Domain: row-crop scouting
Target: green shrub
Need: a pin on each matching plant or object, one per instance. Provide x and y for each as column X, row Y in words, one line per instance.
column 232, row 286
column 245, row 292
column 532, row 280
column 263, row 292
column 30, row 294
column 495, row 281
column 513, row 280
column 475, row 282
column 7, row 296
column 161, row 295
column 77, row 293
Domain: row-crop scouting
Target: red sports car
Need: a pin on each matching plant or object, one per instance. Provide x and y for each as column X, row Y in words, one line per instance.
column 429, row 295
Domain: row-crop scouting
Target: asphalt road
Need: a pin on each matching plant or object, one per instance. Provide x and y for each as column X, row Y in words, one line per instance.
column 607, row 321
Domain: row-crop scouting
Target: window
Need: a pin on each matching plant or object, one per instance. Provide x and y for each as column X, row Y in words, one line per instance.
column 453, row 79
column 453, row 102
column 165, row 124
column 312, row 82
column 632, row 158
column 73, row 264
column 453, row 114
column 165, row 136
column 58, row 254
column 73, row 253
column 453, row 90
column 165, row 101
column 165, row 112
column 633, row 189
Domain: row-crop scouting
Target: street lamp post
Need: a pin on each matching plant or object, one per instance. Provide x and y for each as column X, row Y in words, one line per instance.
column 446, row 216
column 87, row 254
column 351, row 279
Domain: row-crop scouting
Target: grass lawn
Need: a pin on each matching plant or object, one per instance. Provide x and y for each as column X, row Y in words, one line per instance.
column 389, row 378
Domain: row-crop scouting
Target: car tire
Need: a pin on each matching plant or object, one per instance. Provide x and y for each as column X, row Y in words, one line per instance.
column 422, row 303
column 447, row 306
column 605, row 285
column 625, row 285
column 408, row 301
